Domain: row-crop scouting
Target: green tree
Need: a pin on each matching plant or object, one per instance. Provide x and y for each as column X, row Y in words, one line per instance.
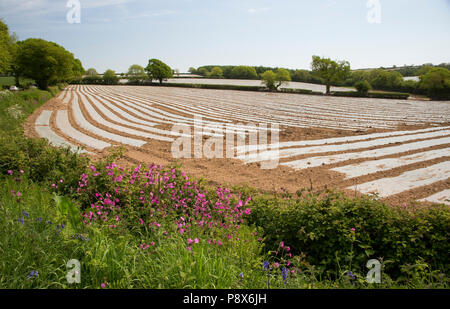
column 386, row 80
column 436, row 83
column 192, row 70
column 203, row 72
column 136, row 73
column 330, row 71
column 77, row 70
column 244, row 72
column 5, row 48
column 274, row 80
column 92, row 72
column 110, row 77
column 216, row 72
column 301, row 76
column 156, row 69
column 424, row 70
column 45, row 62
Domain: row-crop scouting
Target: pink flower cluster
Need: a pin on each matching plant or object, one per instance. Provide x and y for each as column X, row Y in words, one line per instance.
column 155, row 194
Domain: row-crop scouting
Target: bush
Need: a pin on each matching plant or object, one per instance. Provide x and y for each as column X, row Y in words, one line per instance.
column 436, row 83
column 320, row 227
column 363, row 87
column 206, row 86
column 300, row 91
column 36, row 158
column 377, row 95
column 389, row 95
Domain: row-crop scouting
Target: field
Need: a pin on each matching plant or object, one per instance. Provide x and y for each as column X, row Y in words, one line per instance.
column 398, row 150
column 247, row 82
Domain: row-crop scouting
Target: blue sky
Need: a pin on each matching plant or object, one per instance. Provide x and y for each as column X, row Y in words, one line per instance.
column 113, row 34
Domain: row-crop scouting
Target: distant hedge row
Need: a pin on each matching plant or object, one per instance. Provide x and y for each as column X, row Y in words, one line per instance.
column 376, row 95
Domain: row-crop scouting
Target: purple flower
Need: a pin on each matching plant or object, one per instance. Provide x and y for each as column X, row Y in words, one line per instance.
column 266, row 265
column 351, row 275
column 25, row 213
column 33, row 274
column 284, row 274
column 20, row 220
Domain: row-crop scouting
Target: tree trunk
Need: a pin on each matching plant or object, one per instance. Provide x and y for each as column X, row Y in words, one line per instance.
column 328, row 88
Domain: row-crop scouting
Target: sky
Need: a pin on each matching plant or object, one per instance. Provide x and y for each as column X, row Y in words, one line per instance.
column 114, row 34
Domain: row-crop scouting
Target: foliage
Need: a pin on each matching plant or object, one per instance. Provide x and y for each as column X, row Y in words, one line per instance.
column 381, row 79
column 77, row 70
column 5, row 48
column 376, row 95
column 436, row 83
column 330, row 71
column 156, row 69
column 203, row 72
column 363, row 87
column 216, row 72
column 92, row 72
column 35, row 158
column 274, row 80
column 136, row 73
column 45, row 62
column 243, row 72
column 326, row 227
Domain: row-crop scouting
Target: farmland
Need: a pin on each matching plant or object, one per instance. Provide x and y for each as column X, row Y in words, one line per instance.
column 240, row 82
column 398, row 150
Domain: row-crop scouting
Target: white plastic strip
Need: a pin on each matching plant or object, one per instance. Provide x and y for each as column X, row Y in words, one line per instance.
column 324, row 160
column 442, row 197
column 62, row 122
column 409, row 180
column 370, row 167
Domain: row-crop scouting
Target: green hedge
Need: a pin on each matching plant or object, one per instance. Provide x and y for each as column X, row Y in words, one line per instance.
column 377, row 95
column 201, row 86
column 321, row 228
column 40, row 161
column 300, row 91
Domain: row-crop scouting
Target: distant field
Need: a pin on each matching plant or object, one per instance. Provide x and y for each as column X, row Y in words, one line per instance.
column 243, row 82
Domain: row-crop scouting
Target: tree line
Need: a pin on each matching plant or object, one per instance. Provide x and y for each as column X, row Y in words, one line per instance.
column 47, row 63
column 434, row 81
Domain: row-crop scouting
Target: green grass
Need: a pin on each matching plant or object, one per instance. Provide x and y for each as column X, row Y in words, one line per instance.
column 40, row 234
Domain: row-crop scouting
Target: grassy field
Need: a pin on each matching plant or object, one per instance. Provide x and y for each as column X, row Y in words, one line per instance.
column 154, row 227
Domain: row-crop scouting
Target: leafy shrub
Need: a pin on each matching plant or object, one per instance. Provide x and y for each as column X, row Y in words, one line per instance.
column 40, row 161
column 300, row 91
column 377, row 95
column 436, row 83
column 332, row 230
column 389, row 95
column 363, row 87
